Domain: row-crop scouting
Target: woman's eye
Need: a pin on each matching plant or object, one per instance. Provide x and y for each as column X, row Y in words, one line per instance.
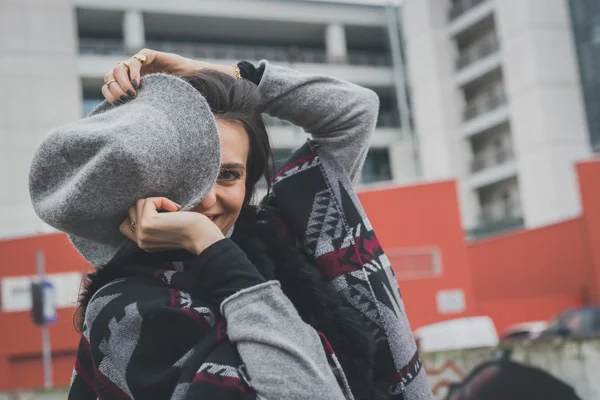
column 226, row 175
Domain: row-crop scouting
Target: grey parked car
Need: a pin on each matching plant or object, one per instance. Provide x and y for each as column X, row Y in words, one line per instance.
column 576, row 322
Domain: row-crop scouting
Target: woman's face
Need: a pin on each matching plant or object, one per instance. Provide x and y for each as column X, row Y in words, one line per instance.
column 224, row 202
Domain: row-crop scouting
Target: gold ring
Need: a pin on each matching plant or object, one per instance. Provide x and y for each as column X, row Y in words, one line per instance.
column 125, row 63
column 132, row 226
column 109, row 82
column 141, row 58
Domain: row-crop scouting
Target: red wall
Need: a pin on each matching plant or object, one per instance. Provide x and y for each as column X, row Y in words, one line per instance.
column 538, row 262
column 535, row 274
column 589, row 186
column 18, row 256
column 20, row 340
column 423, row 215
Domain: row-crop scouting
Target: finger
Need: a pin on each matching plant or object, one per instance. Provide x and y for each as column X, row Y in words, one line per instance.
column 109, row 96
column 161, row 203
column 135, row 72
column 136, row 67
column 115, row 89
column 121, row 73
column 133, row 219
column 139, row 208
column 151, row 206
column 132, row 214
column 125, row 229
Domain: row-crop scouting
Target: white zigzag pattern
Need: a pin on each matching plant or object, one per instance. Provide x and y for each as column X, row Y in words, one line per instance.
column 293, row 171
column 208, row 315
column 218, row 369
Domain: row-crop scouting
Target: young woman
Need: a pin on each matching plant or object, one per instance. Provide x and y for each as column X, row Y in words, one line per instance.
column 211, row 321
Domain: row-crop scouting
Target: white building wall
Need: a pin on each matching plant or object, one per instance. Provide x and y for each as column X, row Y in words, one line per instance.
column 40, row 90
column 436, row 100
column 133, row 30
column 546, row 107
column 41, row 73
column 335, row 42
column 545, row 112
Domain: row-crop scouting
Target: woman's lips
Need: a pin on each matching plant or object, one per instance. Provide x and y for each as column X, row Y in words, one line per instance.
column 212, row 217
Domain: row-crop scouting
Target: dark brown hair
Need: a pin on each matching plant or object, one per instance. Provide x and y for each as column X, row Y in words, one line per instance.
column 237, row 101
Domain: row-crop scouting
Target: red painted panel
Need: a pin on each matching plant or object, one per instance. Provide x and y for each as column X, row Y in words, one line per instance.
column 18, row 255
column 540, row 262
column 589, row 186
column 423, row 215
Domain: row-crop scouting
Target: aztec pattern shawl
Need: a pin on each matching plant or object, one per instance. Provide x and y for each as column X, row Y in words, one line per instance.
column 160, row 338
column 318, row 203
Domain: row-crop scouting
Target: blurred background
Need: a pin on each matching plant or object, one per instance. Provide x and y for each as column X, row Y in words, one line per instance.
column 482, row 180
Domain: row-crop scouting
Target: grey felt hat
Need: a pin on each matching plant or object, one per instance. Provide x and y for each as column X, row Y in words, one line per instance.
column 86, row 174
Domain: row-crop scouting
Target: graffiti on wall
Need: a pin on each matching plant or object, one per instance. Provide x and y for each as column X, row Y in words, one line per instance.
column 442, row 377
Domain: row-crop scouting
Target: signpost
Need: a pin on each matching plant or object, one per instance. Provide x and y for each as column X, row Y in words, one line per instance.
column 43, row 312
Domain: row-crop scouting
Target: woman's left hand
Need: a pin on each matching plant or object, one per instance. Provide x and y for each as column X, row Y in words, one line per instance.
column 158, row 231
column 122, row 82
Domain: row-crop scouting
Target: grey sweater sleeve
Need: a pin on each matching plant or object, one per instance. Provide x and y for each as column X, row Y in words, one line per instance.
column 339, row 115
column 284, row 356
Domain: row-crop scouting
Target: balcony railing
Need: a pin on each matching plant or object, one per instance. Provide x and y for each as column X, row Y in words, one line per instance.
column 498, row 217
column 500, row 210
column 462, row 6
column 483, row 105
column 490, row 158
column 229, row 52
column 477, row 51
column 386, row 119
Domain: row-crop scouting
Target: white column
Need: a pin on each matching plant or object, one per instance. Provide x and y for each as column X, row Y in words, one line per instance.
column 335, row 41
column 133, row 31
column 402, row 161
column 51, row 93
column 436, row 100
column 548, row 122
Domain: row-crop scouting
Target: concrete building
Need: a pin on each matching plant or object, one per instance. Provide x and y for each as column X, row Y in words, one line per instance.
column 497, row 103
column 54, row 54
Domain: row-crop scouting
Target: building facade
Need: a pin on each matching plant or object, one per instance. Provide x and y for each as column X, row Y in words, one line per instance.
column 55, row 53
column 497, row 103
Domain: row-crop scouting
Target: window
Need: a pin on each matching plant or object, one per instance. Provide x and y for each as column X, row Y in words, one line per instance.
column 585, row 18
column 377, row 166
column 280, row 156
column 89, row 105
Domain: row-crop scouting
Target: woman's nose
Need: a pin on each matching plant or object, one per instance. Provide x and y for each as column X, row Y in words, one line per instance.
column 209, row 200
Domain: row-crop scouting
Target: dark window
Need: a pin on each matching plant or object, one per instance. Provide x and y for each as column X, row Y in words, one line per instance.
column 585, row 17
column 377, row 166
column 281, row 154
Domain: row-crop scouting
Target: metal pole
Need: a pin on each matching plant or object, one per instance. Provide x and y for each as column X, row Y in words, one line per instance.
column 46, row 347
column 393, row 28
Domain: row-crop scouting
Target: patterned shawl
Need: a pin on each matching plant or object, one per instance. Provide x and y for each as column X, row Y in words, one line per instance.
column 125, row 324
column 318, row 203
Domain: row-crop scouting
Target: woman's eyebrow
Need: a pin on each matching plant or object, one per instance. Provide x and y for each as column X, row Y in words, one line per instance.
column 233, row 165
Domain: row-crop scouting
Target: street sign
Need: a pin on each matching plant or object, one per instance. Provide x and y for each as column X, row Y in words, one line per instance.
column 43, row 301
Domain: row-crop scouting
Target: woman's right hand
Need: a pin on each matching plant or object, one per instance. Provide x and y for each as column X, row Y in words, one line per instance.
column 121, row 83
column 158, row 231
